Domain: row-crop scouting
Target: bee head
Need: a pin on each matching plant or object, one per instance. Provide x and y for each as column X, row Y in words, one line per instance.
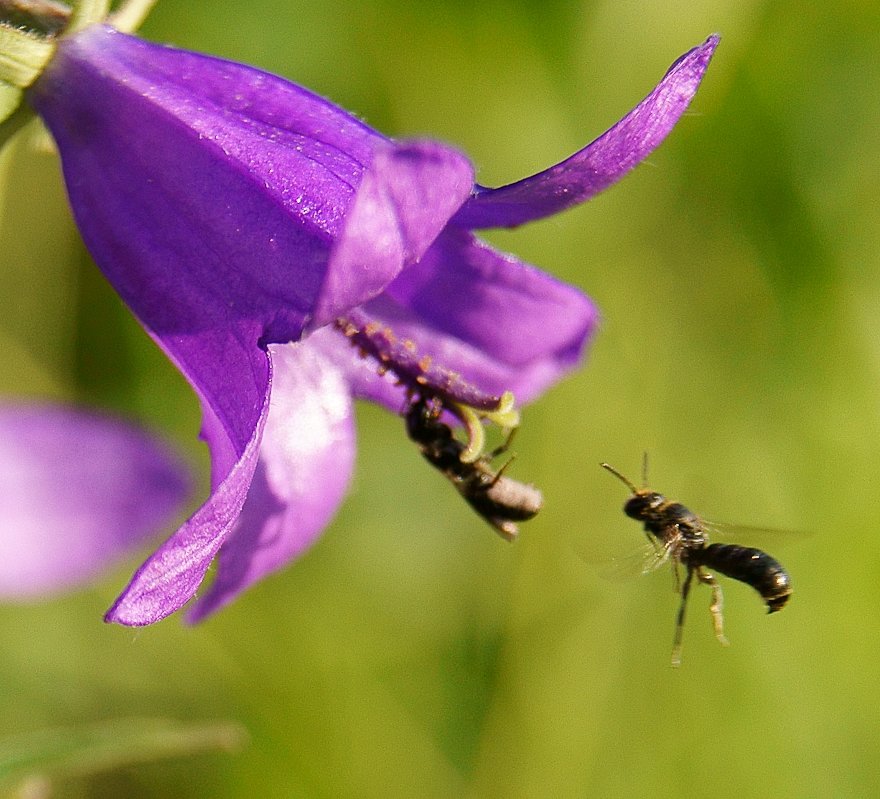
column 423, row 425
column 643, row 503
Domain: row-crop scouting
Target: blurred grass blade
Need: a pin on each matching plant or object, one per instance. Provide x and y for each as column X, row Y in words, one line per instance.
column 90, row 749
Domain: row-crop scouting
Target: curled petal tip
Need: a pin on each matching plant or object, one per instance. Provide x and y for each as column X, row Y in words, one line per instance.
column 602, row 162
column 700, row 55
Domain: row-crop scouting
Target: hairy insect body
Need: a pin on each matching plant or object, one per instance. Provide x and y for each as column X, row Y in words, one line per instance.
column 665, row 520
column 500, row 500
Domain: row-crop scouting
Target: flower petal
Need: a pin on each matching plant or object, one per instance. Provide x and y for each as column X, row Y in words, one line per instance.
column 406, row 197
column 601, row 163
column 208, row 192
column 500, row 323
column 233, row 426
column 361, row 372
column 306, row 462
column 77, row 491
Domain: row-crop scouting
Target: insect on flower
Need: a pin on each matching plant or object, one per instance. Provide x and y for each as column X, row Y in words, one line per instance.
column 680, row 536
column 500, row 500
column 431, row 390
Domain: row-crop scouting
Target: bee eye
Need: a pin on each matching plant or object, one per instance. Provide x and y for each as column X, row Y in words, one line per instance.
column 635, row 507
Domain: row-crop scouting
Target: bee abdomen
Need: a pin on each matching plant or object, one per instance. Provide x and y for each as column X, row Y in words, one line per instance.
column 753, row 567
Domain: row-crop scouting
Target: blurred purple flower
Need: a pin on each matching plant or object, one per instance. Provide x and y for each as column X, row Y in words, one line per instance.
column 236, row 212
column 77, row 492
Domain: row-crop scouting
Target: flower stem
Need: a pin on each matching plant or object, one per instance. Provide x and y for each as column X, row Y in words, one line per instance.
column 88, row 12
column 22, row 56
column 131, row 14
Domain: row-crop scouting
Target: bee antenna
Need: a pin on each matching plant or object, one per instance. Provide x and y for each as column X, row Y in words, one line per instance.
column 645, row 469
column 620, row 477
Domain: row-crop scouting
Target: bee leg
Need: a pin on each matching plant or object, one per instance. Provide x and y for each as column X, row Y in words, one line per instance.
column 500, row 450
column 503, row 446
column 717, row 606
column 507, row 529
column 676, row 577
column 679, row 620
column 497, row 476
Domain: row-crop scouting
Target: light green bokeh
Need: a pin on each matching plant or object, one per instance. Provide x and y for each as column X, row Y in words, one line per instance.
column 412, row 653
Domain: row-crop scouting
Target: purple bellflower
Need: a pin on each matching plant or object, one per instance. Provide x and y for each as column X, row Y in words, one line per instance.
column 77, row 492
column 258, row 231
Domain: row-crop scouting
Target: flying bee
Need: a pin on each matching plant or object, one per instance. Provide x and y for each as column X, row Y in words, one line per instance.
column 679, row 536
column 500, row 500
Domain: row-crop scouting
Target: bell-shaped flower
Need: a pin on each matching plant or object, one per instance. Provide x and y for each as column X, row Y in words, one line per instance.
column 258, row 231
column 78, row 492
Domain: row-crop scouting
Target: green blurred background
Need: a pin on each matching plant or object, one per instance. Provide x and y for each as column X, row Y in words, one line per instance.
column 412, row 653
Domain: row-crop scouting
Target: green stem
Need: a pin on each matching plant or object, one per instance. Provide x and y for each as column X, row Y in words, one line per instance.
column 22, row 56
column 88, row 12
column 131, row 14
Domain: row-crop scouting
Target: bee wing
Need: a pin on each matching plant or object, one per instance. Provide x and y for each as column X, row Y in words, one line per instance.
column 648, row 558
column 745, row 535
